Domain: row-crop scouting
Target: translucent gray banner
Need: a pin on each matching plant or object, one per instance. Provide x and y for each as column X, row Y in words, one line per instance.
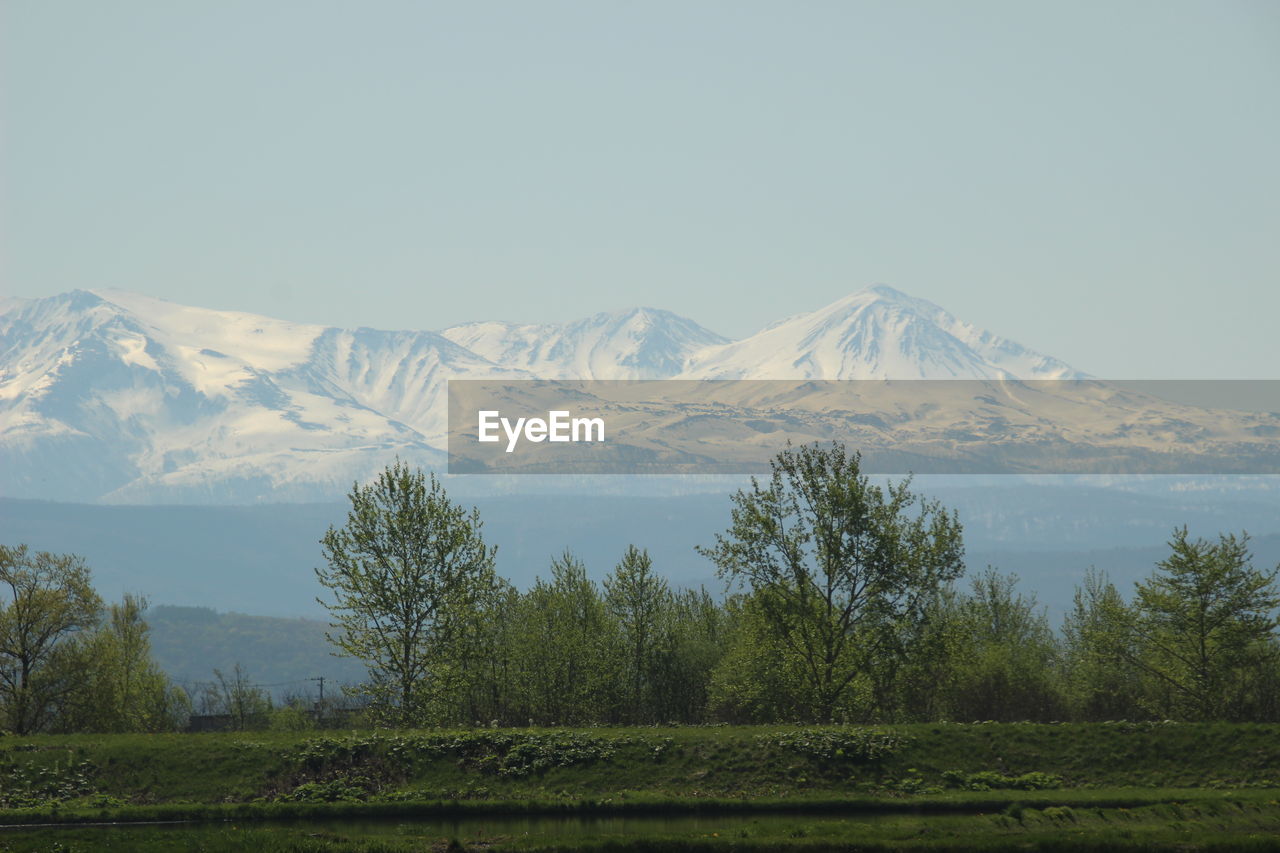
column 675, row 426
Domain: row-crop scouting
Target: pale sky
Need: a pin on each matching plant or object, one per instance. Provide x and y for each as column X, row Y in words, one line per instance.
column 1097, row 180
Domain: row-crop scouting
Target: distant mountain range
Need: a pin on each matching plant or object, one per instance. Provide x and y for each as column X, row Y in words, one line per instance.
column 114, row 396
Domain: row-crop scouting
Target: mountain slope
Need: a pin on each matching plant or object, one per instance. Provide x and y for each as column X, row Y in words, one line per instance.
column 121, row 397
column 642, row 343
column 877, row 333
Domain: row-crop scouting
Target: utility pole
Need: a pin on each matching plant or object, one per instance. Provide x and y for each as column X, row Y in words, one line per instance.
column 320, row 704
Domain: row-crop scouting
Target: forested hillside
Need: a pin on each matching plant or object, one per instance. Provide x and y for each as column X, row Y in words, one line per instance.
column 190, row 642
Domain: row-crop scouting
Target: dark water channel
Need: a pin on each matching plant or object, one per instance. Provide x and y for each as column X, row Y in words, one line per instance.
column 434, row 832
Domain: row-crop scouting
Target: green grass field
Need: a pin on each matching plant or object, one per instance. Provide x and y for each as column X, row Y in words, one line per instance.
column 978, row 786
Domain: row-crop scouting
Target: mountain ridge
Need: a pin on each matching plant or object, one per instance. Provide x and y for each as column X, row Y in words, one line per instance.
column 110, row 395
column 876, row 333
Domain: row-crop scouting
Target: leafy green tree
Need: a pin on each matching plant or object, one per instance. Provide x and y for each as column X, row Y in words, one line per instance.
column 839, row 568
column 121, row 689
column 1202, row 617
column 486, row 657
column 690, row 643
column 46, row 604
column 640, row 603
column 757, row 679
column 1100, row 647
column 566, row 648
column 920, row 690
column 1005, row 661
column 1255, row 687
column 405, row 572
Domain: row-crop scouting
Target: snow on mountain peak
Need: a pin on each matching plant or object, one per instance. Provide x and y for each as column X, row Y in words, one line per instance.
column 258, row 341
column 635, row 343
column 113, row 395
column 116, row 395
column 876, row 333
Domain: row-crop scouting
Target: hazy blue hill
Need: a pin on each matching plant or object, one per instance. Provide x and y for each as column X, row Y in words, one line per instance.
column 261, row 559
column 189, row 642
column 247, row 559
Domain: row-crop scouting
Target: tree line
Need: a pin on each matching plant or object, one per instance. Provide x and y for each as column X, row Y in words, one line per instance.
column 844, row 601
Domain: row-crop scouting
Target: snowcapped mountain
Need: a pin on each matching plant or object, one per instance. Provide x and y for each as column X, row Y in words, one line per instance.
column 116, row 396
column 110, row 395
column 642, row 343
column 877, row 333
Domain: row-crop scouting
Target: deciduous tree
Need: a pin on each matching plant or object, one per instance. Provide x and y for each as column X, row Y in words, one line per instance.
column 566, row 647
column 638, row 600
column 404, row 572
column 121, row 689
column 1205, row 614
column 1100, row 649
column 46, row 602
column 837, row 566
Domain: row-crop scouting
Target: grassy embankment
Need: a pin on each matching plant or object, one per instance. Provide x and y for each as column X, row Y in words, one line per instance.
column 990, row 783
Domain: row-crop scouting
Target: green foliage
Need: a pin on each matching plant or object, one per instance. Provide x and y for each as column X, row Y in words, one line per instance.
column 911, row 783
column 690, row 645
column 989, row 780
column 290, row 717
column 848, row 612
column 235, row 696
column 566, row 649
column 853, row 745
column 332, row 768
column 48, row 604
column 637, row 599
column 27, row 784
column 1061, row 814
column 405, row 572
column 222, row 775
column 973, row 821
column 1203, row 617
column 759, row 680
column 1101, row 677
column 486, row 660
column 121, row 689
column 340, row 789
column 840, row 570
column 1003, row 656
column 63, row 667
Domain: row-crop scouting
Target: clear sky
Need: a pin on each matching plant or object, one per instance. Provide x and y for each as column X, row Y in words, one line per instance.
column 1097, row 180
